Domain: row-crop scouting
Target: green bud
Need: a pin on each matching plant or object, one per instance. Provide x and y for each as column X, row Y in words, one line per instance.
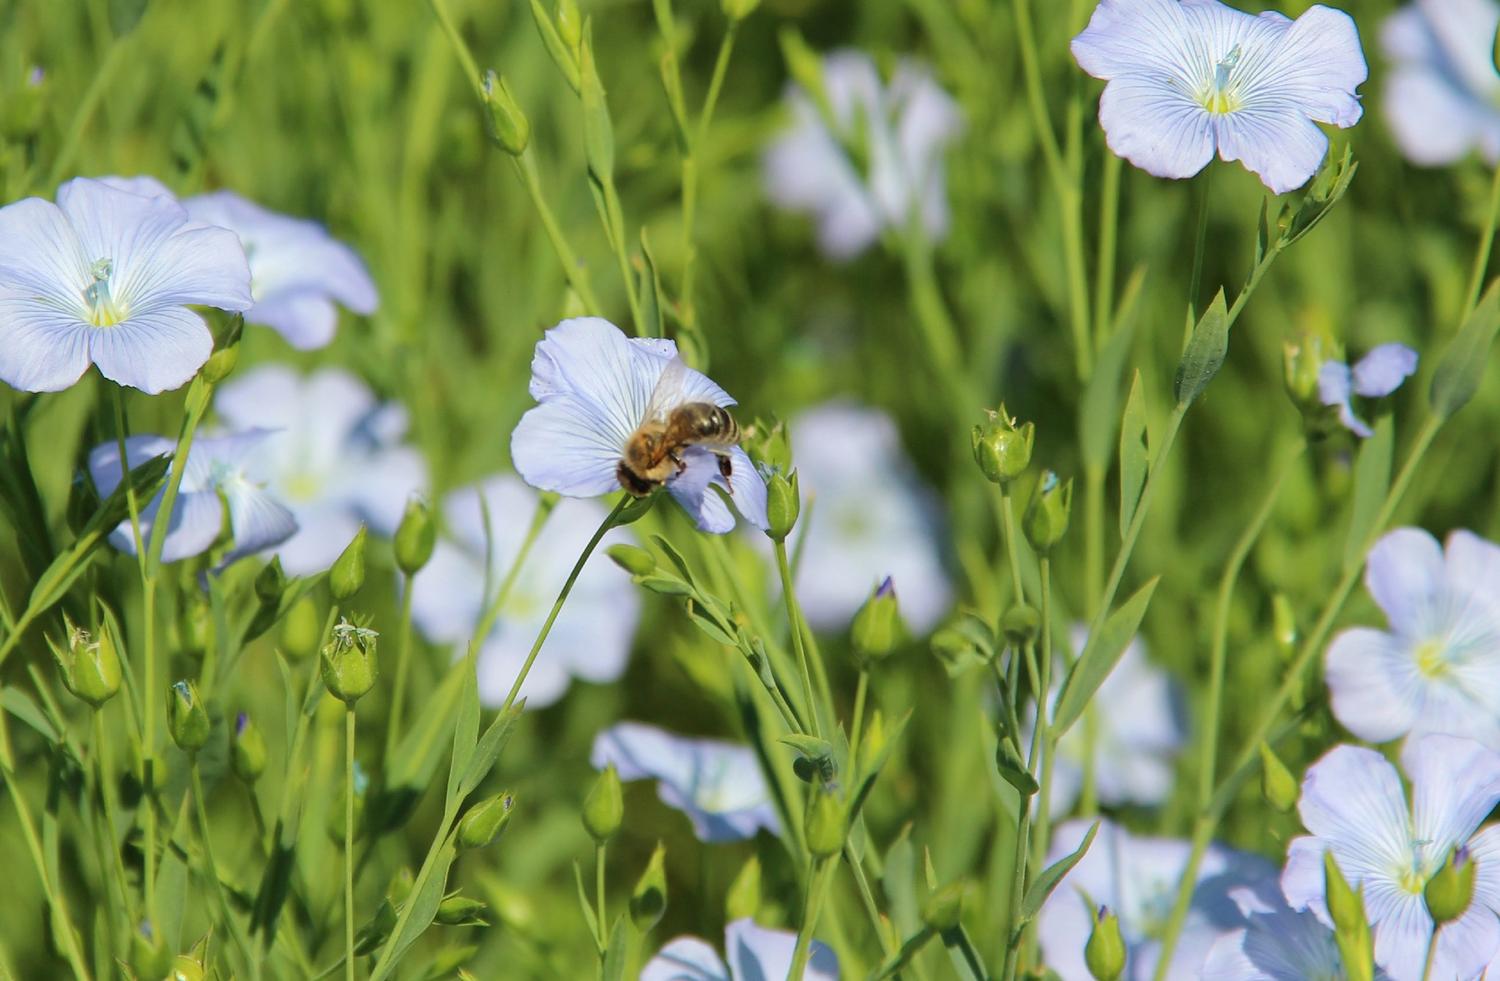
column 649, row 900
column 301, row 629
column 743, row 898
column 195, row 624
column 604, row 808
column 739, row 9
column 416, row 537
column 484, row 821
column 221, row 364
column 374, row 933
column 826, row 824
column 507, row 124
column 90, row 668
column 783, row 504
column 1283, row 624
column 1345, row 906
column 400, row 885
column 186, row 967
column 459, row 910
column 598, row 130
column 1046, row 519
column 187, row 718
column 270, row 582
column 874, row 632
column 1277, row 784
column 1451, row 887
column 632, row 558
column 872, row 744
column 1105, row 951
column 943, row 907
column 348, row 572
column 1302, row 361
column 768, row 444
column 1021, row 624
column 149, row 958
column 349, row 663
column 1001, row 447
column 569, row 23
column 247, row 749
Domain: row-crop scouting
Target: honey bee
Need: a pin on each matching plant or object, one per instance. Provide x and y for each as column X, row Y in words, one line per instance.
column 654, row 453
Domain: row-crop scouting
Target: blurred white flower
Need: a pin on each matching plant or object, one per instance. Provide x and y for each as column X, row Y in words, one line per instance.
column 756, row 953
column 1188, row 78
column 594, row 387
column 1137, row 879
column 1276, row 944
column 592, row 636
column 1442, row 94
column 105, row 277
column 1374, row 376
column 1353, row 803
column 1139, row 731
column 298, row 272
column 866, row 516
column 336, row 459
column 213, row 481
column 897, row 132
column 718, row 785
column 1437, row 669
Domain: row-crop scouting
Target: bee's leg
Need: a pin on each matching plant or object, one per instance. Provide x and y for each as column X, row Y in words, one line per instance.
column 677, row 459
column 726, row 467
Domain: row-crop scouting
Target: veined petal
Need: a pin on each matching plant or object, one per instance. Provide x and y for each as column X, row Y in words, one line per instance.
column 1472, row 561
column 1404, row 572
column 119, row 226
column 1130, row 36
column 195, row 264
column 41, row 256
column 692, row 489
column 686, row 959
column 1455, row 784
column 1302, row 877
column 153, row 351
column 42, row 348
column 1352, row 798
column 758, row 952
column 197, row 522
column 307, row 320
column 1382, row 371
column 591, row 362
column 104, row 459
column 564, row 445
column 1467, row 944
column 1373, row 684
column 1277, row 143
column 1402, row 935
column 1157, row 127
column 1314, row 69
column 257, row 519
column 643, row 752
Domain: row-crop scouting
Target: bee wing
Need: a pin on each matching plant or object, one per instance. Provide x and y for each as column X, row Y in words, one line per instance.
column 668, row 393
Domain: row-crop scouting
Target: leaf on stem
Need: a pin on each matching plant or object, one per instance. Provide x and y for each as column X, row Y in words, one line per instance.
column 1103, row 651
column 1048, row 879
column 1101, row 397
column 1135, row 453
column 1462, row 367
column 1372, row 479
column 1205, row 352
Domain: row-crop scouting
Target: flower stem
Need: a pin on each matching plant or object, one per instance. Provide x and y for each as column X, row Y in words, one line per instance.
column 1195, row 282
column 92, row 96
column 403, row 668
column 562, row 597
column 1042, row 827
column 599, row 902
column 1109, row 224
column 574, row 270
column 1486, row 241
column 200, row 807
column 1012, row 545
column 794, row 619
column 817, row 890
column 858, row 723
column 349, row 843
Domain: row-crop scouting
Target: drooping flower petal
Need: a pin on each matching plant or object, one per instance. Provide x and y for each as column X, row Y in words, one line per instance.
column 1382, row 371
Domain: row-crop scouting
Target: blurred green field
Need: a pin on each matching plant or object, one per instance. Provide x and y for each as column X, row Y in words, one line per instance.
column 356, row 114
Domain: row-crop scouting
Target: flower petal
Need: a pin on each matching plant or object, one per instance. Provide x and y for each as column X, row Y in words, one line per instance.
column 1335, row 383
column 1435, row 124
column 1130, row 36
column 195, row 264
column 757, row 952
column 42, row 349
column 643, row 752
column 41, row 256
column 1302, row 878
column 564, row 445
column 1315, row 68
column 154, row 351
column 1158, row 128
column 1352, row 798
column 685, row 959
column 197, row 522
column 1373, row 684
column 590, row 361
column 1404, row 572
column 1467, row 944
column 1471, row 561
column 257, row 520
column 1382, row 371
column 1277, row 143
column 1455, row 784
column 701, row 471
column 306, row 320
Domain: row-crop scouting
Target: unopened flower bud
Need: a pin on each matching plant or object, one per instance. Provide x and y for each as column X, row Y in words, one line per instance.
column 1002, row 449
column 943, row 907
column 569, row 23
column 1046, row 520
column 301, row 629
column 187, row 718
column 186, row 967
column 743, row 898
column 349, row 663
column 872, row 744
column 484, row 821
column 1021, row 624
column 649, row 899
column 604, row 808
column 400, row 886
column 348, row 572
column 1105, row 951
column 768, row 444
column 221, row 364
column 632, row 558
column 507, row 124
column 247, row 749
column 461, row 911
column 783, row 504
column 826, row 824
column 873, row 634
column 1451, row 887
column 416, row 537
column 90, row 668
column 1277, row 784
column 270, row 582
column 149, row 957
column 1344, row 904
column 1302, row 361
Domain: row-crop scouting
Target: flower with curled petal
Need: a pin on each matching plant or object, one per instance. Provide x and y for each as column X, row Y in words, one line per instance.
column 1187, row 78
column 1355, row 807
column 594, row 387
column 105, row 277
column 1374, row 376
column 756, row 953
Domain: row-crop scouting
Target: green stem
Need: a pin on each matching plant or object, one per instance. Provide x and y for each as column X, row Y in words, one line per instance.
column 562, row 597
column 599, row 902
column 794, row 620
column 1109, row 224
column 200, row 806
column 1200, row 242
column 1012, row 545
column 403, row 668
column 1018, row 864
column 349, row 842
column 859, row 720
column 939, row 333
column 817, row 890
column 1043, row 823
column 111, row 811
column 690, row 173
column 575, row 272
column 1486, row 241
column 460, row 47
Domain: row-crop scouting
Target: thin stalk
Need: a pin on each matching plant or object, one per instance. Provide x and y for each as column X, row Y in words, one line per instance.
column 794, row 618
column 111, row 811
column 562, row 597
column 858, row 723
column 939, row 333
column 599, row 902
column 1431, row 944
column 1486, row 241
column 1018, row 864
column 460, row 47
column 200, row 807
column 1012, row 545
column 690, row 171
column 1042, row 827
column 403, row 668
column 575, row 272
column 1200, row 242
column 1109, row 225
column 817, row 890
column 349, row 843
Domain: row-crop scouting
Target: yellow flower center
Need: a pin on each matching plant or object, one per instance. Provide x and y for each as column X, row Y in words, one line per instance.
column 1430, row 660
column 104, row 309
column 1220, row 95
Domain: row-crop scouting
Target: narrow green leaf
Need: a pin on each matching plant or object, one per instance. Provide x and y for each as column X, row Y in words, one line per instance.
column 465, row 729
column 489, row 747
column 553, row 42
column 1008, row 761
column 598, row 130
column 1372, row 478
column 424, row 904
column 1135, row 454
column 870, row 769
column 1462, row 367
column 1101, row 397
column 20, row 704
column 652, row 315
column 670, row 551
column 1099, row 657
column 1205, row 352
column 615, row 955
column 585, row 904
column 1042, row 886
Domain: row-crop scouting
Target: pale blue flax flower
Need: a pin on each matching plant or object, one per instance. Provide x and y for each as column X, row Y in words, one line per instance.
column 337, row 458
column 1442, row 93
column 866, row 517
column 299, row 274
column 880, row 159
column 1193, row 77
column 592, row 636
column 755, row 953
column 594, row 388
column 105, row 277
column 1136, row 878
column 214, row 486
column 1374, row 376
column 1276, row 944
column 1354, row 806
column 1437, row 667
column 718, row 785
